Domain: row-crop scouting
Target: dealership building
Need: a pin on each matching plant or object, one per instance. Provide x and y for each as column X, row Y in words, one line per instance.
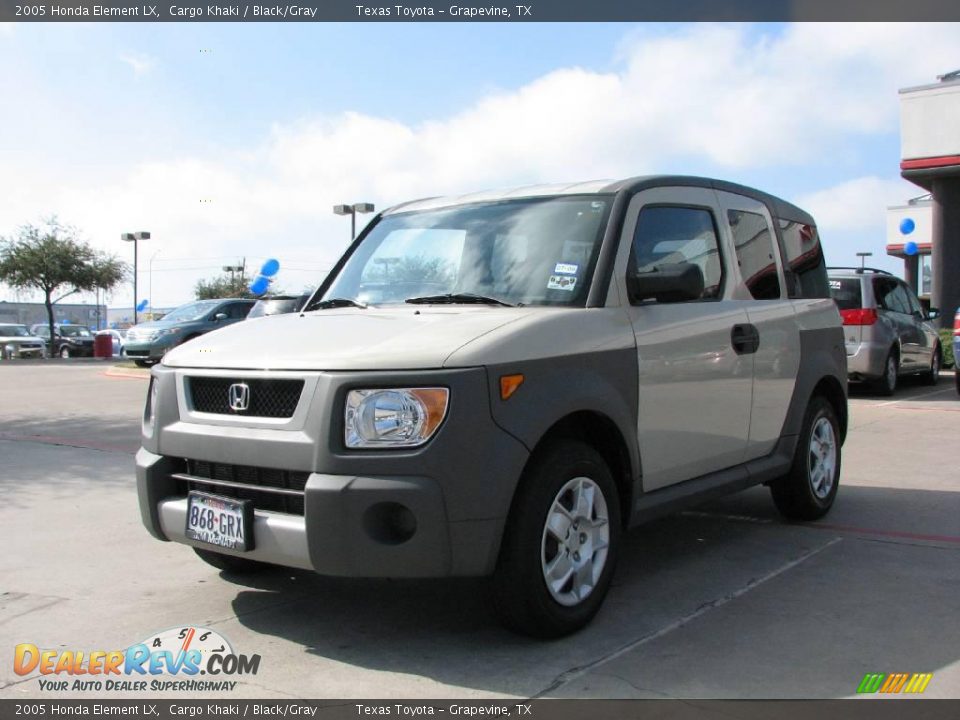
column 925, row 233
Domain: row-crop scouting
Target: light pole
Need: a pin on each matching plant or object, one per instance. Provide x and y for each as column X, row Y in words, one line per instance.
column 150, row 275
column 352, row 211
column 134, row 237
column 863, row 258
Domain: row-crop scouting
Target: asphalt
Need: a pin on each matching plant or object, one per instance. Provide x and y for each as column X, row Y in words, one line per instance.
column 725, row 600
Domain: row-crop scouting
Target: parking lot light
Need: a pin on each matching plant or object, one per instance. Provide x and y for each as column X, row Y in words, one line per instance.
column 134, row 237
column 352, row 210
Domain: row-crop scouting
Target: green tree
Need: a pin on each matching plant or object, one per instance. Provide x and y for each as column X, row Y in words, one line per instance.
column 50, row 258
column 223, row 286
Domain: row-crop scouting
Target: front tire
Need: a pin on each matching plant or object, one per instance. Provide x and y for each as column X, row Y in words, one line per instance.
column 560, row 543
column 65, row 353
column 807, row 492
column 230, row 563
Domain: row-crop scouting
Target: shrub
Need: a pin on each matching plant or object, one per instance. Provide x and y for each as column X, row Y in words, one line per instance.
column 946, row 342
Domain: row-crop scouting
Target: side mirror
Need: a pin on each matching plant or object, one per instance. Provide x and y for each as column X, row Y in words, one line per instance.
column 933, row 314
column 673, row 282
column 220, row 316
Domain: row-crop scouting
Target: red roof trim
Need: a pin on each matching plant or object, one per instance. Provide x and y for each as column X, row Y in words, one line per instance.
column 926, row 163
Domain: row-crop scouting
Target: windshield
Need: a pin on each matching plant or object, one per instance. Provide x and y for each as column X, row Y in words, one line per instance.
column 521, row 252
column 14, row 331
column 190, row 311
column 74, row 331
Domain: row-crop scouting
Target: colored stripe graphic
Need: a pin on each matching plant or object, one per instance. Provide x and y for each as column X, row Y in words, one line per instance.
column 892, row 683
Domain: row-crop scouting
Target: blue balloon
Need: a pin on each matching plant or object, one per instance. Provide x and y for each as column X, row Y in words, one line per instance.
column 911, row 248
column 270, row 268
column 907, row 226
column 143, row 305
column 260, row 285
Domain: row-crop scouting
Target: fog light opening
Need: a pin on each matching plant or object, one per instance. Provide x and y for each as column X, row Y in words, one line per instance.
column 389, row 523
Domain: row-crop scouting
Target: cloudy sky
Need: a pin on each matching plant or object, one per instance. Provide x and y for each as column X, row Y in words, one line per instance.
column 230, row 141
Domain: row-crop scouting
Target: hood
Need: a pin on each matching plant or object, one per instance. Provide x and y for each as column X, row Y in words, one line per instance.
column 396, row 338
column 154, row 325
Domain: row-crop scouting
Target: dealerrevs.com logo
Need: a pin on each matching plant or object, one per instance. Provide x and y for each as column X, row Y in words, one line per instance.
column 188, row 659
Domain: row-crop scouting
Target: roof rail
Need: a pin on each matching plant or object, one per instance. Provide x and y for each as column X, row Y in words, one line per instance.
column 859, row 270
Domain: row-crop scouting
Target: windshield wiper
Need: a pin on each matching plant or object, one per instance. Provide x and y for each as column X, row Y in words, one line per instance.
column 456, row 299
column 335, row 303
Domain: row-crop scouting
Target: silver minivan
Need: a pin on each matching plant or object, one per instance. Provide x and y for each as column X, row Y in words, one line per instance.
column 887, row 332
column 502, row 384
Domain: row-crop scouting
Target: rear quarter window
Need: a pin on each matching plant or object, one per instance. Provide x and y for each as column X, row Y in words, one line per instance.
column 803, row 259
column 846, row 292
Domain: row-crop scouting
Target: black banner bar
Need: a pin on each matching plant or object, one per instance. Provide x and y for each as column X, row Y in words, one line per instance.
column 853, row 709
column 473, row 11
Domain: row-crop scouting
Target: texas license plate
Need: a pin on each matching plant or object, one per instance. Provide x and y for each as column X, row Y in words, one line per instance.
column 220, row 521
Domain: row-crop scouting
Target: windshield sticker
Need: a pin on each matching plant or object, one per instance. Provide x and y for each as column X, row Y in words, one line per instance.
column 561, row 282
column 566, row 269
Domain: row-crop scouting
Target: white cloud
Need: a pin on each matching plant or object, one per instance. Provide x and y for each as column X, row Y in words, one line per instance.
column 857, row 204
column 140, row 64
column 721, row 97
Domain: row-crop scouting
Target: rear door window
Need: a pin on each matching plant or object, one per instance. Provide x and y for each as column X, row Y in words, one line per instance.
column 846, row 292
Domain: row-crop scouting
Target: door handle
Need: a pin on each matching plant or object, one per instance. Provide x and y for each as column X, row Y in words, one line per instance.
column 745, row 338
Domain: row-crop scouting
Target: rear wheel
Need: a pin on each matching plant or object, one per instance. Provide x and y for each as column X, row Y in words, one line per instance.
column 230, row 563
column 932, row 376
column 807, row 492
column 560, row 544
column 887, row 384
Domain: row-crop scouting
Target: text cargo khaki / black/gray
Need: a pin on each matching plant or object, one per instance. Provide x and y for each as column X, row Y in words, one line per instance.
column 501, row 383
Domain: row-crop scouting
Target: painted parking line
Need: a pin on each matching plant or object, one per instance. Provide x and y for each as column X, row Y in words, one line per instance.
column 578, row 672
column 69, row 442
column 852, row 529
column 930, row 393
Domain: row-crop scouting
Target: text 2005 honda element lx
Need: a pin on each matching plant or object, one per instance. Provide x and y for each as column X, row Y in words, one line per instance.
column 501, row 384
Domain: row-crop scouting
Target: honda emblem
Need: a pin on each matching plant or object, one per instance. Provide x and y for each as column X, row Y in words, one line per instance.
column 239, row 397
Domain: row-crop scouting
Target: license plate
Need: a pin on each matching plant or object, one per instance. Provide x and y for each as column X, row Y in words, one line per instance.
column 220, row 521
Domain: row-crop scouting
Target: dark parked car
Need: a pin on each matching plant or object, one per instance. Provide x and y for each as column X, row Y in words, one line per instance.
column 69, row 340
column 278, row 305
column 148, row 342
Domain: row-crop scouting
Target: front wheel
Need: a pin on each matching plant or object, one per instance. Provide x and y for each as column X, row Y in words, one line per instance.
column 560, row 544
column 807, row 492
column 65, row 352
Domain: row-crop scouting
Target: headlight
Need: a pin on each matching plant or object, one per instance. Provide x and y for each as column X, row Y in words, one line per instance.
column 395, row 417
column 167, row 331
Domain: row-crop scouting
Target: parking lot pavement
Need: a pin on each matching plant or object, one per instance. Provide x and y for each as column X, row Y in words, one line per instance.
column 725, row 600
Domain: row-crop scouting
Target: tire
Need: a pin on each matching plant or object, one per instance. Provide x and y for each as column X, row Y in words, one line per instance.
column 932, row 376
column 887, row 383
column 64, row 352
column 567, row 486
column 807, row 492
column 956, row 377
column 230, row 563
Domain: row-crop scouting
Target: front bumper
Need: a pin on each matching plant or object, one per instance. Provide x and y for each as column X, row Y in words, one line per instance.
column 11, row 351
column 434, row 511
column 150, row 349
